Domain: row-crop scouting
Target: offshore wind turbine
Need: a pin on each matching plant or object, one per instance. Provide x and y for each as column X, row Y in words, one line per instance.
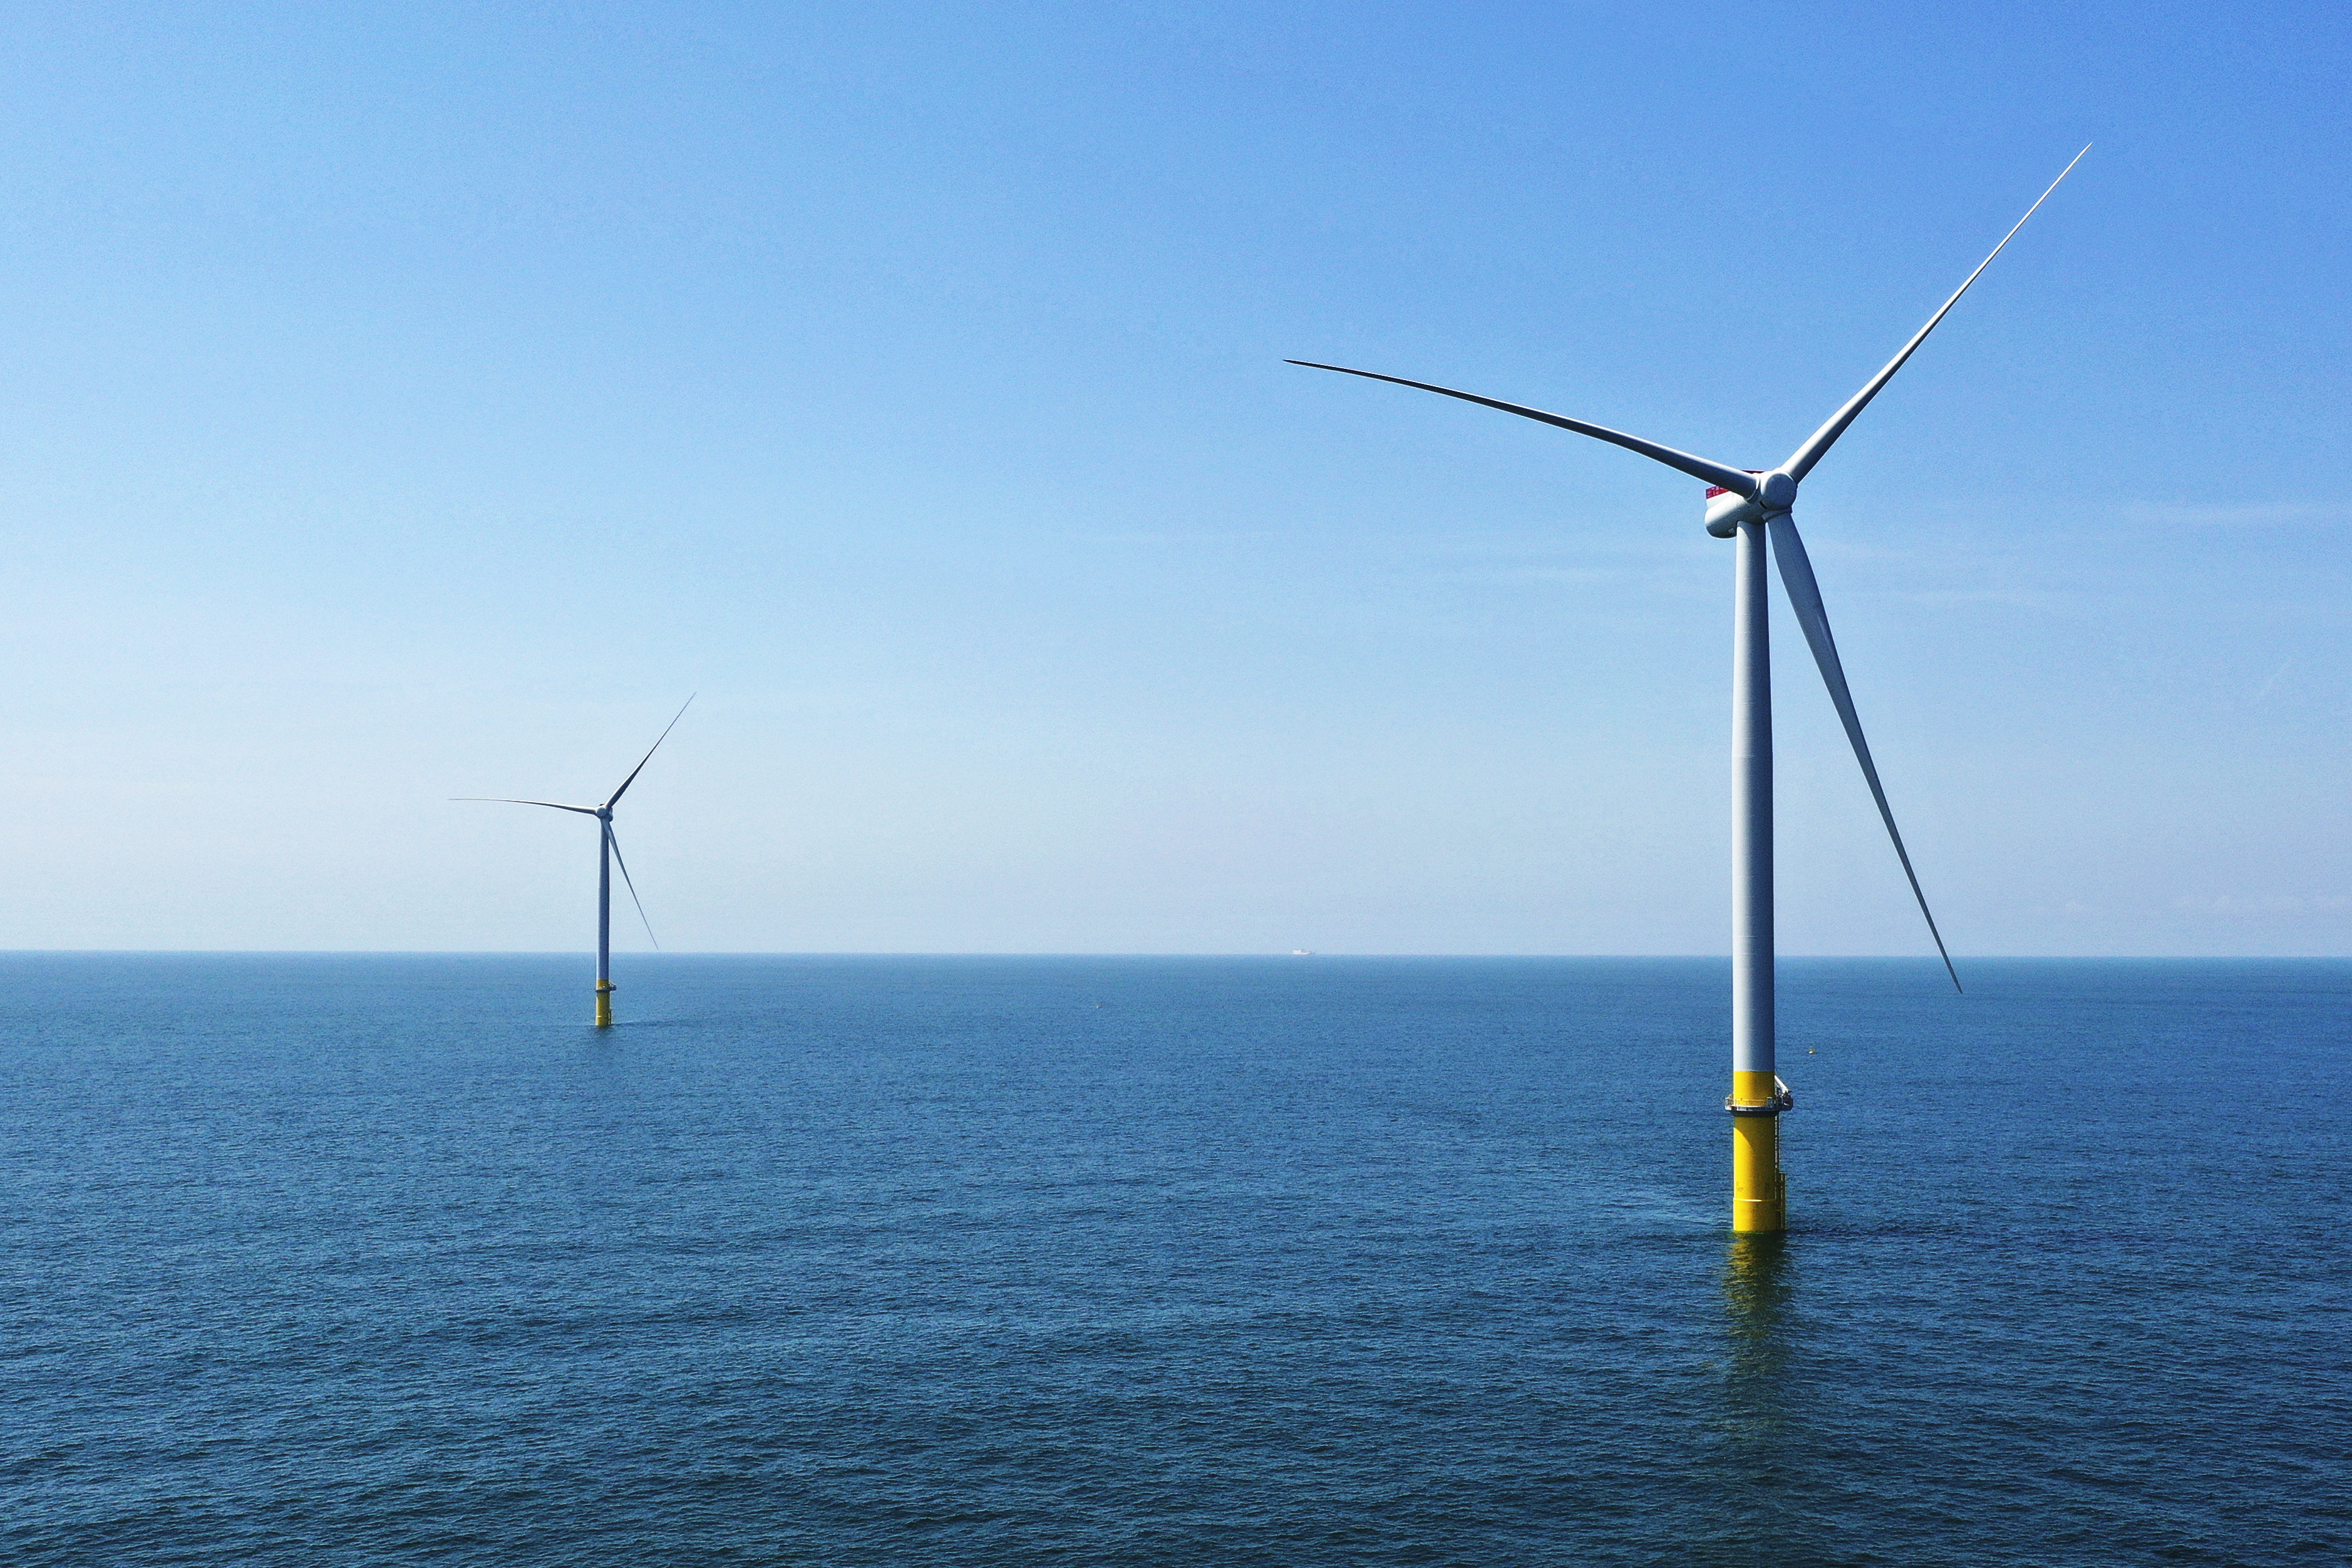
column 1754, row 506
column 608, row 852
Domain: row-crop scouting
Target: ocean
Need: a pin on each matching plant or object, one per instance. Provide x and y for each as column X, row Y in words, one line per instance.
column 325, row 1260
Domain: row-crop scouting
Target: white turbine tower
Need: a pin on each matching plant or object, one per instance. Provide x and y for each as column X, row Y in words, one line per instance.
column 1753, row 506
column 608, row 851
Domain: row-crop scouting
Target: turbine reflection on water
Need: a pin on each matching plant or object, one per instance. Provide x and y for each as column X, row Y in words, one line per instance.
column 1760, row 1436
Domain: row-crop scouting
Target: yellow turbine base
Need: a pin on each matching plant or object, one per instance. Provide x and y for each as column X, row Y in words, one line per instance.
column 1759, row 1193
column 604, row 1005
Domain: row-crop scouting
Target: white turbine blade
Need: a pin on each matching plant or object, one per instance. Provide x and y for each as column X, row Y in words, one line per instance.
column 614, row 840
column 650, row 753
column 502, row 800
column 1805, row 597
column 1801, row 462
column 1713, row 473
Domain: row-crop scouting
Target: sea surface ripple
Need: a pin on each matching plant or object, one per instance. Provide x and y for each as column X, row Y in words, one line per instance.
column 387, row 1260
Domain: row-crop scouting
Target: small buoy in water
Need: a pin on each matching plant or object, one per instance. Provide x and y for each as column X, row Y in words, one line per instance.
column 1808, row 1053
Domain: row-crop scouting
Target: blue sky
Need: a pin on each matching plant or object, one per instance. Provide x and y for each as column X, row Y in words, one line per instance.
column 408, row 401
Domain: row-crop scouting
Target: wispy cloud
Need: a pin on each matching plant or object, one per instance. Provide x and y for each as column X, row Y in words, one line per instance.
column 2047, row 599
column 2243, row 906
column 2253, row 514
column 1573, row 574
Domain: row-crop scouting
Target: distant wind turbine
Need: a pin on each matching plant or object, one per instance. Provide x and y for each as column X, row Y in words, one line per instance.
column 608, row 851
column 1750, row 504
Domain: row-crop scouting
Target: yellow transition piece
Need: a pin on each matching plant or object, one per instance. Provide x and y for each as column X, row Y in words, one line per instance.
column 1759, row 1193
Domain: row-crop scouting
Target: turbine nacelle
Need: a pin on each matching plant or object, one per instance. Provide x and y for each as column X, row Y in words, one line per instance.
column 1726, row 509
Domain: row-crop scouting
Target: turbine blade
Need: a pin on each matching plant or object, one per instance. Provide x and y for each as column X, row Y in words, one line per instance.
column 502, row 800
column 1805, row 597
column 1713, row 473
column 649, row 752
column 1802, row 461
column 613, row 839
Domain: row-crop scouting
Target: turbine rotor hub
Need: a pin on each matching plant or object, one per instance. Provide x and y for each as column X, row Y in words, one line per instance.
column 1776, row 491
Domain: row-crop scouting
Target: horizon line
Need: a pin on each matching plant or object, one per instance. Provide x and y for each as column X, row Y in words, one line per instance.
column 570, row 954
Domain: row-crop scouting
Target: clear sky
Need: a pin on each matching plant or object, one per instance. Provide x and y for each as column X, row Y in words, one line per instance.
column 413, row 401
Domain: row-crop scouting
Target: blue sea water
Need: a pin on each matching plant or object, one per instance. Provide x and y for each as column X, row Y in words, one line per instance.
column 342, row 1260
